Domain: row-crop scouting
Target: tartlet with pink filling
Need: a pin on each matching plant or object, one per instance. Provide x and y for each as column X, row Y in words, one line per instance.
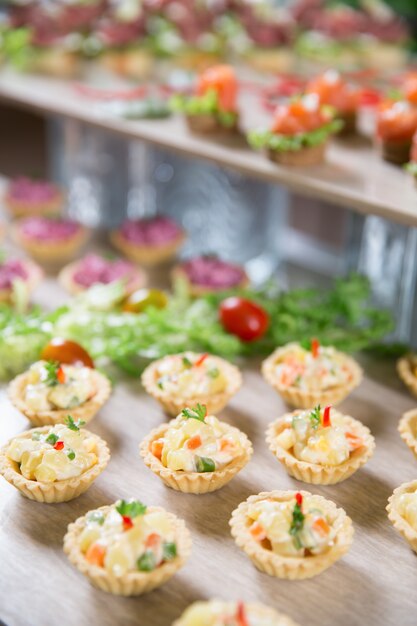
column 94, row 269
column 149, row 241
column 18, row 270
column 25, row 196
column 205, row 274
column 48, row 239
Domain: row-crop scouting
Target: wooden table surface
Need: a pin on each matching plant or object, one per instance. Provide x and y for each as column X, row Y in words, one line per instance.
column 354, row 176
column 374, row 585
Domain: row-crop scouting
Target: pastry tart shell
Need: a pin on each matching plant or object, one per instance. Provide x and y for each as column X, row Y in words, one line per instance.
column 407, row 428
column 51, row 251
column 302, row 399
column 19, row 208
column 173, row 404
column 60, row 490
column 315, row 473
column 397, row 520
column 131, row 583
column 198, row 291
column 146, row 255
column 193, row 482
column 406, row 374
column 292, row 568
column 267, row 614
column 34, row 277
column 85, row 411
column 66, row 278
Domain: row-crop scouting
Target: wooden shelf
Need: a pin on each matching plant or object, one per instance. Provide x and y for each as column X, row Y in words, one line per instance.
column 354, row 176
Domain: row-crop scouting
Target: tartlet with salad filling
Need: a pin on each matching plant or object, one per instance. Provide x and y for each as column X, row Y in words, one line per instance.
column 320, row 446
column 220, row 613
column 196, row 452
column 26, row 196
column 94, row 269
column 402, row 512
column 18, row 276
column 407, row 371
column 48, row 390
column 213, row 107
column 128, row 548
column 299, row 132
column 305, row 377
column 54, row 463
column 182, row 380
column 407, row 428
column 207, row 274
column 292, row 535
column 149, row 241
column 339, row 94
column 396, row 124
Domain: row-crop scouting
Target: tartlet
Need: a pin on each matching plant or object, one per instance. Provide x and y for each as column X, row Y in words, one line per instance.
column 195, row 452
column 94, row 269
column 47, row 392
column 402, row 512
column 318, row 446
column 207, row 274
column 396, row 124
column 407, row 371
column 23, row 270
column 50, row 240
column 182, row 380
column 25, row 196
column 220, row 613
column 38, row 461
column 337, row 93
column 148, row 241
column 305, row 378
column 300, row 519
column 407, row 428
column 143, row 548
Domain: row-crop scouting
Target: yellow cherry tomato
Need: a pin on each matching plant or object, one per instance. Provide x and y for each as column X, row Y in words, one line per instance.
column 141, row 299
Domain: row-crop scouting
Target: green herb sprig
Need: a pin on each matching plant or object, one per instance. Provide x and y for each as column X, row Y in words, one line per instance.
column 315, row 417
column 199, row 412
column 131, row 508
column 73, row 425
column 51, row 368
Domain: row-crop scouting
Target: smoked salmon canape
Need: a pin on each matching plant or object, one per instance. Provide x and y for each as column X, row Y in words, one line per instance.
column 299, row 132
column 213, row 106
column 395, row 126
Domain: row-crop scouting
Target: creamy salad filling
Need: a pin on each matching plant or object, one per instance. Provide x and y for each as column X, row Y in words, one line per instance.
column 128, row 538
column 218, row 613
column 190, row 375
column 62, row 452
column 292, row 528
column 320, row 436
column 407, row 508
column 54, row 386
column 316, row 369
column 197, row 442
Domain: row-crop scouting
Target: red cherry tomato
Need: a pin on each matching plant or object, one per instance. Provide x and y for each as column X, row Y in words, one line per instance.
column 243, row 318
column 66, row 351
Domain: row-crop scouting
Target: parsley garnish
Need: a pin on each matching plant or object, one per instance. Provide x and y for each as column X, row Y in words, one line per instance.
column 315, row 417
column 131, row 508
column 72, row 425
column 199, row 412
column 51, row 368
column 169, row 551
column 186, row 362
column 297, row 524
column 52, row 438
column 214, row 372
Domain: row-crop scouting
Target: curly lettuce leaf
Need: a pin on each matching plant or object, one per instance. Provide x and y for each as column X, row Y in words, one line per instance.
column 259, row 139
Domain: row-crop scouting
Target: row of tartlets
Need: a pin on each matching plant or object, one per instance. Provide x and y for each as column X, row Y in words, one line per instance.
column 128, row 548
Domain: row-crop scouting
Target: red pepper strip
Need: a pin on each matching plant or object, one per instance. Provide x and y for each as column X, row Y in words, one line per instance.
column 326, row 417
column 60, row 375
column 241, row 618
column 59, row 445
column 370, row 97
column 127, row 522
column 299, row 498
column 315, row 347
column 201, row 359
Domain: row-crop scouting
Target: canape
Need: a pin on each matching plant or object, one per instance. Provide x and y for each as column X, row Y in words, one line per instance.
column 128, row 548
column 206, row 274
column 337, row 93
column 299, row 133
column 94, row 269
column 48, row 391
column 292, row 535
column 50, row 240
column 196, row 452
column 214, row 105
column 149, row 241
column 320, row 446
column 14, row 272
column 24, row 197
column 54, row 463
column 402, row 512
column 412, row 164
column 407, row 371
column 409, row 87
column 182, row 380
column 395, row 126
column 407, row 428
column 220, row 613
column 306, row 377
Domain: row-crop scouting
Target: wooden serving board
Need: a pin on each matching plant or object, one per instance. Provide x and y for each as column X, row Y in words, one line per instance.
column 374, row 585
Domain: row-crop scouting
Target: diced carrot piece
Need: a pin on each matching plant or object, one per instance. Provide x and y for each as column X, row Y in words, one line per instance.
column 354, row 441
column 156, row 448
column 153, row 540
column 194, row 442
column 61, row 375
column 257, row 531
column 226, row 445
column 201, row 359
column 95, row 554
column 321, row 526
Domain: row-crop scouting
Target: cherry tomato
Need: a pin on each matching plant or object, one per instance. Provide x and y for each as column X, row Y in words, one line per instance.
column 139, row 300
column 66, row 351
column 243, row 318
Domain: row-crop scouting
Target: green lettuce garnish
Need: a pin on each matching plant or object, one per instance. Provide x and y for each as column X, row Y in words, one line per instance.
column 207, row 104
column 283, row 143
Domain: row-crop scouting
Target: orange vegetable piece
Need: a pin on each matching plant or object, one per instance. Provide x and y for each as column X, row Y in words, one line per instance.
column 153, row 541
column 321, row 526
column 226, row 445
column 194, row 442
column 257, row 531
column 66, row 351
column 410, row 88
column 298, row 117
column 334, row 91
column 396, row 121
column 61, row 375
column 95, row 554
column 157, row 447
column 222, row 79
column 354, row 441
